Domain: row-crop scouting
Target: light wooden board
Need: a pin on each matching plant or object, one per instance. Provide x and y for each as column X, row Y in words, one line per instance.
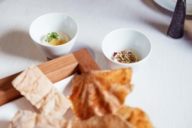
column 56, row 70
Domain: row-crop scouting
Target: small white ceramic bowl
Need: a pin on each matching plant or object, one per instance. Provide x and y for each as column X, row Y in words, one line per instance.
column 122, row 39
column 54, row 22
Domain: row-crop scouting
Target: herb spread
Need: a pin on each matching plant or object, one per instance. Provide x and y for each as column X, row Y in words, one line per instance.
column 55, row 38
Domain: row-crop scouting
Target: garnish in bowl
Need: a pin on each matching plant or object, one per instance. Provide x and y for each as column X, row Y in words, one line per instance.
column 125, row 56
column 55, row 38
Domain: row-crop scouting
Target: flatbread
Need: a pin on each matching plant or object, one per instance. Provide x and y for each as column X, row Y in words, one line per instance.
column 33, row 84
column 97, row 98
column 107, row 121
column 39, row 90
column 135, row 116
column 23, row 119
column 27, row 119
column 100, row 92
column 44, row 121
column 117, row 82
column 55, row 103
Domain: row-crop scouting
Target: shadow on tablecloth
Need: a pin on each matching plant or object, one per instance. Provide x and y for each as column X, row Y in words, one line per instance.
column 155, row 7
column 162, row 27
column 19, row 44
column 158, row 24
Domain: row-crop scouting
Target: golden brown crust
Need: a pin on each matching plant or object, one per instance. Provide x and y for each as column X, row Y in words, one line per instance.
column 135, row 116
column 100, row 92
column 118, row 81
column 107, row 121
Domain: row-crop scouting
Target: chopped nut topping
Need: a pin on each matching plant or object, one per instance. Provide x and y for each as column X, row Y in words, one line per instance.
column 125, row 56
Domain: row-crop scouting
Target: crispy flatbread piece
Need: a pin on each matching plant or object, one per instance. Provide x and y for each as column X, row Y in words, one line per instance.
column 100, row 92
column 117, row 82
column 28, row 119
column 23, row 119
column 33, row 84
column 107, row 121
column 39, row 90
column 45, row 121
column 135, row 116
column 55, row 104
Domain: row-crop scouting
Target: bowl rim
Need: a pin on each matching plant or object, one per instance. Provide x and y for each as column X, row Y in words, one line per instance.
column 129, row 64
column 55, row 13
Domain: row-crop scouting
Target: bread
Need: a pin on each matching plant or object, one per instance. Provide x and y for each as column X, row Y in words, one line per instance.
column 100, row 92
column 135, row 116
column 39, row 90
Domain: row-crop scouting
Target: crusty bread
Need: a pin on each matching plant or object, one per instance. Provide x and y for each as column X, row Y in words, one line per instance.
column 100, row 92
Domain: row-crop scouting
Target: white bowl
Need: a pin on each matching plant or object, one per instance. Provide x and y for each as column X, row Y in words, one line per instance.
column 54, row 22
column 122, row 39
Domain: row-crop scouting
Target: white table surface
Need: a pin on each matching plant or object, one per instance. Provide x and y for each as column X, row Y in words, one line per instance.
column 162, row 85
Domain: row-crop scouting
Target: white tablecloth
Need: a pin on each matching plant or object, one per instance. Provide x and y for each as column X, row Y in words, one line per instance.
column 162, row 85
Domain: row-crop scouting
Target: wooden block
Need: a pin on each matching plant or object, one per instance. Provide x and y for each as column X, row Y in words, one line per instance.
column 56, row 70
column 85, row 61
column 59, row 68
